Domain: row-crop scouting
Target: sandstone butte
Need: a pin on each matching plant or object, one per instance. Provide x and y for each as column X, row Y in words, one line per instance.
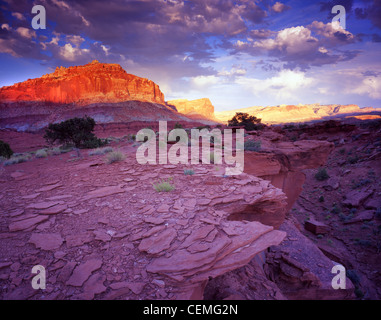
column 195, row 109
column 93, row 82
column 105, row 92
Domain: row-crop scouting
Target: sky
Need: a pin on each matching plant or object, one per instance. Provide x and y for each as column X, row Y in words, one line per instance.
column 238, row 54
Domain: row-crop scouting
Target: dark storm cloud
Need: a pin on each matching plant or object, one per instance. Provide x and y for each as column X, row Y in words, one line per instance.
column 147, row 32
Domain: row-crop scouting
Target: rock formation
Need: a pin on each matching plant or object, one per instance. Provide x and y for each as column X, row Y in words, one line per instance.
column 83, row 85
column 195, row 109
column 299, row 113
column 103, row 91
column 282, row 163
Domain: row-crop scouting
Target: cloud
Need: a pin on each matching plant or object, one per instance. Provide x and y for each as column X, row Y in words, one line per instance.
column 26, row 32
column 18, row 15
column 284, row 85
column 302, row 46
column 279, row 7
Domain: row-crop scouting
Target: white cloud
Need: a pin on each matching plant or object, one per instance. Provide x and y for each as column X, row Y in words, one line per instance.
column 370, row 86
column 18, row 15
column 279, row 7
column 70, row 53
column 26, row 32
column 202, row 81
column 284, row 85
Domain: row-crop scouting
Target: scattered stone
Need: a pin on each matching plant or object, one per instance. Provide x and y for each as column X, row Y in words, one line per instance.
column 94, row 286
column 31, row 196
column 49, row 187
column 54, row 210
column 356, row 198
column 159, row 283
column 47, row 241
column 101, row 235
column 361, row 216
column 159, row 243
column 66, row 271
column 78, row 239
column 316, row 227
column 83, row 271
column 26, row 224
column 154, row 220
column 44, row 205
column 104, row 192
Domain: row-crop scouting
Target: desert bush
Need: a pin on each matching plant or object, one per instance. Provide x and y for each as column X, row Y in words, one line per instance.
column 342, row 151
column 114, row 156
column 178, row 126
column 321, row 175
column 76, row 131
column 41, row 153
column 336, row 209
column 188, row 172
column 251, row 145
column 353, row 159
column 378, row 213
column 16, row 159
column 321, row 199
column 5, row 150
column 164, row 185
column 244, row 119
column 100, row 151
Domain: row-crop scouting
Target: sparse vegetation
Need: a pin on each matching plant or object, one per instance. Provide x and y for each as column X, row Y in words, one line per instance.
column 76, row 131
column 251, row 145
column 100, row 151
column 42, row 153
column 244, row 119
column 16, row 159
column 114, row 156
column 164, row 185
column 188, row 172
column 342, row 151
column 178, row 126
column 353, row 159
column 321, row 175
column 5, row 150
column 321, row 199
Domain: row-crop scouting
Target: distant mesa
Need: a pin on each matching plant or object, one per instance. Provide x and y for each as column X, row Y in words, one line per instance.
column 106, row 92
column 297, row 113
column 92, row 83
column 194, row 109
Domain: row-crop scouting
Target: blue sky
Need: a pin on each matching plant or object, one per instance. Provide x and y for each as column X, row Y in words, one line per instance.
column 237, row 53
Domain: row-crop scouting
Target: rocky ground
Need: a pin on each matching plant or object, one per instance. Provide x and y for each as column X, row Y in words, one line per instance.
column 103, row 232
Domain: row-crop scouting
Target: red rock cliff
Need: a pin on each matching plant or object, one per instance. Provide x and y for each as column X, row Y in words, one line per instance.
column 193, row 108
column 93, row 82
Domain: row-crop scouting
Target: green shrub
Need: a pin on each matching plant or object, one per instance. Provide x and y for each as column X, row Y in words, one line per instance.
column 336, row 209
column 353, row 159
column 178, row 126
column 188, row 172
column 244, row 119
column 41, row 153
column 16, row 159
column 321, row 199
column 164, row 185
column 251, row 145
column 321, row 175
column 76, row 131
column 5, row 150
column 100, row 151
column 114, row 156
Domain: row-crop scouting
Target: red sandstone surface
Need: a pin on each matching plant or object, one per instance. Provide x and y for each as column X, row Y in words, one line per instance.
column 83, row 85
column 103, row 232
